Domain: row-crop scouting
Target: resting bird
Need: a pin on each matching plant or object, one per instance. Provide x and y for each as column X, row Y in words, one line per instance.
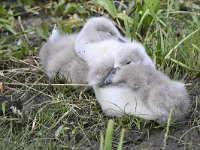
column 138, row 89
column 58, row 57
column 154, row 90
column 96, row 30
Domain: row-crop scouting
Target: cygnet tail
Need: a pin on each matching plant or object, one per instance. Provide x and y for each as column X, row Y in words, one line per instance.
column 46, row 51
column 54, row 34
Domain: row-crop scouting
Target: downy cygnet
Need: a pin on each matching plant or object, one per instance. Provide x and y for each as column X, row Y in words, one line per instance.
column 129, row 83
column 144, row 92
column 115, row 100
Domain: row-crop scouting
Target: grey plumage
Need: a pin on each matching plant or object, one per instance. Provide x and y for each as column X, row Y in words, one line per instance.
column 96, row 30
column 160, row 94
column 99, row 40
column 58, row 54
column 115, row 100
column 126, row 53
column 132, row 53
column 137, row 88
column 58, row 57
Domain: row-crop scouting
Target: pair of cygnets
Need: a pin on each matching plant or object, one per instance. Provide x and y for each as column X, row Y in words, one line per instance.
column 70, row 56
column 58, row 55
column 123, row 76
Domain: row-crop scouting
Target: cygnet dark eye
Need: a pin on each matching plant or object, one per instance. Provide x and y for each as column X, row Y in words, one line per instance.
column 110, row 33
column 128, row 62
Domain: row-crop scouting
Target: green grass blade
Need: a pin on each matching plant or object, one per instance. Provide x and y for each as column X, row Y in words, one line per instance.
column 109, row 6
column 196, row 47
column 179, row 43
column 167, row 131
column 128, row 21
column 3, row 107
column 142, row 19
column 101, row 142
column 183, row 65
column 121, row 16
column 109, row 135
column 121, row 140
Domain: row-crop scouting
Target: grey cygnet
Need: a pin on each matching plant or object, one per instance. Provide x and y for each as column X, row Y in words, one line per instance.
column 59, row 57
column 152, row 95
column 116, row 100
column 130, row 84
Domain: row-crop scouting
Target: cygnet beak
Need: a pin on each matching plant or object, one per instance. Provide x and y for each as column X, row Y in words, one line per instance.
column 110, row 76
column 121, row 40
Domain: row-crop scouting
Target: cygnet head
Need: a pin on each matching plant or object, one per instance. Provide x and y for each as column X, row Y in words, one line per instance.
column 134, row 76
column 130, row 53
column 96, row 29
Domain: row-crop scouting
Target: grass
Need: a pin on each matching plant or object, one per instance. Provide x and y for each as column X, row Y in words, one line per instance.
column 60, row 116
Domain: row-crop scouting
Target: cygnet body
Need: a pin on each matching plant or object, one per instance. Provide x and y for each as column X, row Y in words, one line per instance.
column 144, row 92
column 137, row 88
column 59, row 57
column 116, row 100
column 153, row 93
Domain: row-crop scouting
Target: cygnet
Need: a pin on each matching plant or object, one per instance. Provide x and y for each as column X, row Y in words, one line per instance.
column 59, row 57
column 145, row 92
column 142, row 91
column 113, row 99
column 157, row 91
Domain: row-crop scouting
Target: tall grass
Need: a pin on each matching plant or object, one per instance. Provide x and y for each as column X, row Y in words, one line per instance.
column 155, row 24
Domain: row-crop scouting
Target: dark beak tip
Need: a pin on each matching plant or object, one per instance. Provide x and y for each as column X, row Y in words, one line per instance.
column 107, row 81
column 110, row 76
